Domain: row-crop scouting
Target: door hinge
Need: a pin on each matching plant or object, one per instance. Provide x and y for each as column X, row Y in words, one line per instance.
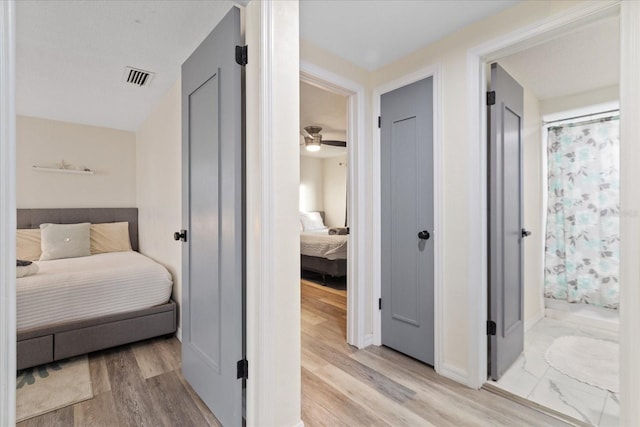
column 241, row 55
column 491, row 97
column 491, row 327
column 379, row 303
column 379, row 122
column 180, row 235
column 243, row 369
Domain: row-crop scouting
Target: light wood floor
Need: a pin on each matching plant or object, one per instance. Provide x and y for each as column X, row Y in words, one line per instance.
column 134, row 385
column 342, row 386
column 141, row 384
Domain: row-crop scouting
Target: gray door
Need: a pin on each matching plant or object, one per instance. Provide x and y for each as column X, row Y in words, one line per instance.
column 212, row 278
column 506, row 281
column 406, row 148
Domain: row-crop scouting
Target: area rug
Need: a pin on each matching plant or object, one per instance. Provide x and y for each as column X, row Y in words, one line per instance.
column 45, row 388
column 589, row 360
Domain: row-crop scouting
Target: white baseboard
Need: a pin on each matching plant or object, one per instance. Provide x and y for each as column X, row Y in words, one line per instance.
column 299, row 424
column 367, row 340
column 456, row 374
column 179, row 334
column 584, row 320
column 528, row 324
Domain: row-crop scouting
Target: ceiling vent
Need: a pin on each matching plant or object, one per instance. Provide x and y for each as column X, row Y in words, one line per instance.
column 137, row 77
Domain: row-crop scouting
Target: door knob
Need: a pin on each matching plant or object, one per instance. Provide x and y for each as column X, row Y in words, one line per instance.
column 525, row 233
column 424, row 235
column 180, row 235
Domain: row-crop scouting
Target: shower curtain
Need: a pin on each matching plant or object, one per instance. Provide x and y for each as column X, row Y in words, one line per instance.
column 582, row 230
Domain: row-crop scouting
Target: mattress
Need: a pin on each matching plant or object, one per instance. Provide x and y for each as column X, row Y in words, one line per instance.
column 323, row 245
column 71, row 289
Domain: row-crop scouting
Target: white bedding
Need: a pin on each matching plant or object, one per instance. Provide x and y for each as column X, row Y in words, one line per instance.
column 71, row 289
column 321, row 244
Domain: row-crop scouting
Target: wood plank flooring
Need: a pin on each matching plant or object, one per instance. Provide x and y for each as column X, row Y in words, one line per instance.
column 134, row 385
column 141, row 384
column 376, row 386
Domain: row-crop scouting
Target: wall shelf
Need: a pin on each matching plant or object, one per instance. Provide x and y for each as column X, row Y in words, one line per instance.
column 58, row 170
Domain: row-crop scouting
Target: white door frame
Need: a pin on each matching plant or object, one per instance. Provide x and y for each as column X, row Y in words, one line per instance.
column 438, row 227
column 518, row 40
column 324, row 79
column 7, row 214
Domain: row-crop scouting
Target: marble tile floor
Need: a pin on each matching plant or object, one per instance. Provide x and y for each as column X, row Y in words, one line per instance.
column 531, row 377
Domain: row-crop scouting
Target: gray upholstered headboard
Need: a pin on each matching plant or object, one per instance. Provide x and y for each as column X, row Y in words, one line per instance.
column 32, row 218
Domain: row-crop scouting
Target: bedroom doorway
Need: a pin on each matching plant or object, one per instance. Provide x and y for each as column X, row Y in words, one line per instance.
column 324, row 214
column 335, row 174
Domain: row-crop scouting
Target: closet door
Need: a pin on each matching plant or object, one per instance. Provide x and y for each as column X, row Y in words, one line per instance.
column 406, row 147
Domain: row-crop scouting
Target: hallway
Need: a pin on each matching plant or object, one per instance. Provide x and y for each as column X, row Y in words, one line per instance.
column 342, row 386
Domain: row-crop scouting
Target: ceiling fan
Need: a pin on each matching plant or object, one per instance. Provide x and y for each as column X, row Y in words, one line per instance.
column 313, row 139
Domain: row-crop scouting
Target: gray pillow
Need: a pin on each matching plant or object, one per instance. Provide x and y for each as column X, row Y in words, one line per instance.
column 65, row 241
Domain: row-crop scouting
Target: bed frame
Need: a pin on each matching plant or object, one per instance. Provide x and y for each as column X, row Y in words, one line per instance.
column 328, row 267
column 60, row 341
column 324, row 266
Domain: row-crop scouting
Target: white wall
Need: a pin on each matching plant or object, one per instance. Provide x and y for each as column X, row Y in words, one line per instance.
column 334, row 172
column 323, row 187
column 586, row 99
column 311, row 184
column 533, row 209
column 111, row 153
column 159, row 185
column 272, row 189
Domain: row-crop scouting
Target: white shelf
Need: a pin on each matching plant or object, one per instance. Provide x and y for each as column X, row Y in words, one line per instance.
column 57, row 170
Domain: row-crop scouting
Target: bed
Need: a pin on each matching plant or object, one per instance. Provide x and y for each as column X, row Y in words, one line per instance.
column 75, row 306
column 321, row 252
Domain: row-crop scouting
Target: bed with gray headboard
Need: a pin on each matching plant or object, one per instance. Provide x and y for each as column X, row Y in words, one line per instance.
column 62, row 340
column 320, row 264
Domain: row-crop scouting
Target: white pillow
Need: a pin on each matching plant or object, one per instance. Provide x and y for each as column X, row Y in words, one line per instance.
column 311, row 221
column 65, row 241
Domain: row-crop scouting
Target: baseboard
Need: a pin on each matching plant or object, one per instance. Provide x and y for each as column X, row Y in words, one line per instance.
column 607, row 325
column 456, row 374
column 367, row 340
column 528, row 324
column 179, row 334
column 299, row 424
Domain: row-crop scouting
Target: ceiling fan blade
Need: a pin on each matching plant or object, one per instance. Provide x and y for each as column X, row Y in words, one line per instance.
column 334, row 143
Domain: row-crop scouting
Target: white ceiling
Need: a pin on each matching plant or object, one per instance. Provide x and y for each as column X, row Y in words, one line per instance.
column 328, row 110
column 373, row 33
column 71, row 55
column 582, row 61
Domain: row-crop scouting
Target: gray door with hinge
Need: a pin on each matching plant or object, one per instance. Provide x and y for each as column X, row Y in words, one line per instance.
column 506, row 233
column 406, row 152
column 212, row 174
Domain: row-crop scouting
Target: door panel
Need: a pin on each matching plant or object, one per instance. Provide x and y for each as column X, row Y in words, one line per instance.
column 407, row 208
column 212, row 273
column 506, row 289
column 204, row 217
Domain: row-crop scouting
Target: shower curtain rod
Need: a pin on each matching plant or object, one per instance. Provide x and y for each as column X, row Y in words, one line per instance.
column 617, row 110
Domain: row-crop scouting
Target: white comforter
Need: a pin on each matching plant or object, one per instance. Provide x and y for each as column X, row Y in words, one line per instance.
column 321, row 244
column 80, row 288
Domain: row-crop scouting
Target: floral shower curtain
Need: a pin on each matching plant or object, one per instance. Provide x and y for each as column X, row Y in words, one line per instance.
column 582, row 230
